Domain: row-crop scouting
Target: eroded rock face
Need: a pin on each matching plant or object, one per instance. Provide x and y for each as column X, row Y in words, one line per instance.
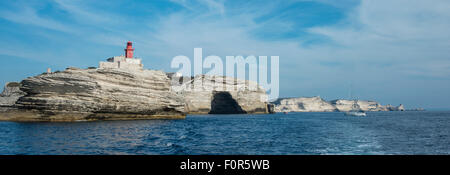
column 91, row 94
column 347, row 105
column 205, row 94
column 11, row 93
column 317, row 104
column 303, row 104
column 119, row 94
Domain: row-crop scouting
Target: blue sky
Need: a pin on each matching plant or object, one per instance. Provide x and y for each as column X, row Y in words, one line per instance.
column 390, row 51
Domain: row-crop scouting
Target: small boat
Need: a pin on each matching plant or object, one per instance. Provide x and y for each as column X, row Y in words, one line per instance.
column 356, row 113
column 285, row 112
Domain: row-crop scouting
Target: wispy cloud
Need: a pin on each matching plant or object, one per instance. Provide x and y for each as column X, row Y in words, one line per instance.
column 28, row 15
column 213, row 6
column 398, row 32
column 85, row 14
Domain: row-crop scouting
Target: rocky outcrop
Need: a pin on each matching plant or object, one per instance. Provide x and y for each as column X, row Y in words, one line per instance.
column 317, row 104
column 11, row 93
column 395, row 108
column 303, row 104
column 119, row 94
column 347, row 105
column 93, row 94
column 205, row 94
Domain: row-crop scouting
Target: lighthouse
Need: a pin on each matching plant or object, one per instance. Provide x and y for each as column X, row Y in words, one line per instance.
column 123, row 62
column 129, row 50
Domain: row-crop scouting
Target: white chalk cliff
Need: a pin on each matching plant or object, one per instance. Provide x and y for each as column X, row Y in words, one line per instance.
column 303, row 104
column 317, row 104
column 11, row 93
column 206, row 94
column 121, row 89
column 96, row 94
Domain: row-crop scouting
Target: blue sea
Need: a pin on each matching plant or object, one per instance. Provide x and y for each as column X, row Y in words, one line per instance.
column 275, row 134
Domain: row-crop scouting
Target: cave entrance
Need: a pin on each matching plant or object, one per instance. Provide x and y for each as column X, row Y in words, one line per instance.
column 223, row 103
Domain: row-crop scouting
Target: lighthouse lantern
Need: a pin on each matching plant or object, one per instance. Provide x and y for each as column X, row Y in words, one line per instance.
column 129, row 50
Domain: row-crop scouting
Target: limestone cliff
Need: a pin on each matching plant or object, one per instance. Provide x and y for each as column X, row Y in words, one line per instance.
column 303, row 104
column 11, row 93
column 205, row 94
column 122, row 89
column 317, row 104
column 116, row 93
column 92, row 94
column 363, row 105
column 347, row 105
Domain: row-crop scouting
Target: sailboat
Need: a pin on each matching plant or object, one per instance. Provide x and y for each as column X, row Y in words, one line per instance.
column 355, row 111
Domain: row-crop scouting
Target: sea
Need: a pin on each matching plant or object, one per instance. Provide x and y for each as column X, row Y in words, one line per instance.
column 379, row 133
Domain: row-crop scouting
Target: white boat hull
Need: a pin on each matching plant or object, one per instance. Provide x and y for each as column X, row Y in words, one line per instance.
column 359, row 114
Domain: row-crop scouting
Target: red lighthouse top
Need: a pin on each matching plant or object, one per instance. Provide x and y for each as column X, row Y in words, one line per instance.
column 129, row 50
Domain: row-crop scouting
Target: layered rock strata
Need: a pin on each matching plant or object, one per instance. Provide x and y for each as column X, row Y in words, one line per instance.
column 11, row 93
column 93, row 94
column 317, row 104
column 206, row 94
column 121, row 94
column 303, row 104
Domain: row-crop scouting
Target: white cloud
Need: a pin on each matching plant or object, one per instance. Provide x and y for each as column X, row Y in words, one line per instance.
column 401, row 32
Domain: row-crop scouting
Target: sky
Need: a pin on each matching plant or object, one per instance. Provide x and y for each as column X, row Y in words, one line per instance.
column 393, row 52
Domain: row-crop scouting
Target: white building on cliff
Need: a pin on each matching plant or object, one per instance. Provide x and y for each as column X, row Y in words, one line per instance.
column 123, row 62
